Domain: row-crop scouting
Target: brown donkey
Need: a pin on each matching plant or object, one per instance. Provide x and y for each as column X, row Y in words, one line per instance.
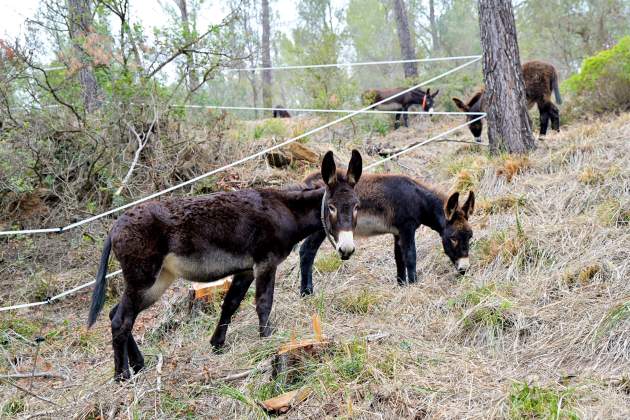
column 540, row 80
column 245, row 233
column 402, row 102
column 398, row 205
column 280, row 112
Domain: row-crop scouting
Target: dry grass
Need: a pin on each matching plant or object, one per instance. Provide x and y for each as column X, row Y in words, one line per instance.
column 539, row 327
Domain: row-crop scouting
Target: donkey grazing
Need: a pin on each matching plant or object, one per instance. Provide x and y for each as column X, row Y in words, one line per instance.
column 540, row 79
column 398, row 205
column 245, row 233
column 402, row 102
column 280, row 112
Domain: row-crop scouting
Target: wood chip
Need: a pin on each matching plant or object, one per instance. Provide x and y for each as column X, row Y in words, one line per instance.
column 282, row 403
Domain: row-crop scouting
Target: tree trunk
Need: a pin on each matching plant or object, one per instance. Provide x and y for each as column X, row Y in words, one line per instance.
column 266, row 57
column 192, row 80
column 407, row 49
column 435, row 42
column 509, row 126
column 79, row 26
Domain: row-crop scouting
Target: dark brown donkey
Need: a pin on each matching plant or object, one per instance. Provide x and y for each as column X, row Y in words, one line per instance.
column 398, row 205
column 245, row 233
column 402, row 102
column 280, row 112
column 540, row 79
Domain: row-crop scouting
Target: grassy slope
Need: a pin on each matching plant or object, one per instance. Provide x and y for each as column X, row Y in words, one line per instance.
column 539, row 327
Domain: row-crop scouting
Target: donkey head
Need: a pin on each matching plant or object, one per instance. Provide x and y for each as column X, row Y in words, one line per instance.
column 473, row 105
column 457, row 233
column 342, row 203
column 428, row 100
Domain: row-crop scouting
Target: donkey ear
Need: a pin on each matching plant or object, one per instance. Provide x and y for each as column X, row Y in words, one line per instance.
column 428, row 92
column 469, row 206
column 329, row 169
column 451, row 205
column 460, row 104
column 355, row 168
column 435, row 94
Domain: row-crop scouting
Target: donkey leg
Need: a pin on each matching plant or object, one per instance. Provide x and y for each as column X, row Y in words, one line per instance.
column 122, row 324
column 397, row 121
column 401, row 272
column 136, row 360
column 554, row 114
column 308, row 251
column 543, row 110
column 231, row 302
column 265, row 282
column 408, row 248
column 406, row 117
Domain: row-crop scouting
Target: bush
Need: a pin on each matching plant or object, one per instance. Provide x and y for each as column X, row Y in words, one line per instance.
column 603, row 83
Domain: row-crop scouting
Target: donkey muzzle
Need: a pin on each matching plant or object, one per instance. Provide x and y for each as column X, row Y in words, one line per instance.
column 345, row 244
column 463, row 264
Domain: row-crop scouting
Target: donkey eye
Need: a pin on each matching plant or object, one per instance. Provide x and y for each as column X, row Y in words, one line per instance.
column 454, row 242
column 332, row 208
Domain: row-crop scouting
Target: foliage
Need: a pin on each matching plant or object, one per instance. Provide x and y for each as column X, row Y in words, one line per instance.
column 360, row 303
column 603, row 83
column 531, row 401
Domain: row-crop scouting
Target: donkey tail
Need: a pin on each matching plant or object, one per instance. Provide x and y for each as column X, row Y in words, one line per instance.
column 556, row 88
column 98, row 295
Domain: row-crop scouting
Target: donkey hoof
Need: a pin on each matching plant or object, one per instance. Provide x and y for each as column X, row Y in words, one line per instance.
column 123, row 376
column 217, row 345
column 218, row 349
column 306, row 292
column 266, row 331
column 137, row 366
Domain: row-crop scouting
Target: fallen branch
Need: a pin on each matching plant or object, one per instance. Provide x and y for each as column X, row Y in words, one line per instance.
column 46, row 375
column 4, row 378
column 389, row 152
column 240, row 375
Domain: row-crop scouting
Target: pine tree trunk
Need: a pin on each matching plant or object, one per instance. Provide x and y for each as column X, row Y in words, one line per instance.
column 407, row 49
column 79, row 26
column 509, row 126
column 192, row 80
column 266, row 57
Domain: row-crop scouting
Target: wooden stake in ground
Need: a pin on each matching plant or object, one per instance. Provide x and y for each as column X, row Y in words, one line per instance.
column 509, row 127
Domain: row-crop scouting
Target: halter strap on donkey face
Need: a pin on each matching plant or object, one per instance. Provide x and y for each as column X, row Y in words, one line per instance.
column 340, row 221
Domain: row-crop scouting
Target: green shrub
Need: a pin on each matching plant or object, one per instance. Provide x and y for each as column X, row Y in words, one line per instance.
column 536, row 402
column 328, row 263
column 603, row 83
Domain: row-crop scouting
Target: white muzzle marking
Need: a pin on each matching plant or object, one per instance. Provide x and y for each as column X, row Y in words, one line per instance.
column 345, row 243
column 478, row 139
column 463, row 264
column 431, row 110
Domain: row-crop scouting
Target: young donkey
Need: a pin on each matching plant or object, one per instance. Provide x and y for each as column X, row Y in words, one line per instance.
column 540, row 79
column 244, row 233
column 402, row 102
column 398, row 205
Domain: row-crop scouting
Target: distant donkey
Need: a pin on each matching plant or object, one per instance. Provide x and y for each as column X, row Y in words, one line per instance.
column 398, row 205
column 244, row 233
column 402, row 102
column 540, row 79
column 280, row 112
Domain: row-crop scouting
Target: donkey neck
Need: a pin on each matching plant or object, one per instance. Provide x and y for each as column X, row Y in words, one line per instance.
column 432, row 214
column 306, row 208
